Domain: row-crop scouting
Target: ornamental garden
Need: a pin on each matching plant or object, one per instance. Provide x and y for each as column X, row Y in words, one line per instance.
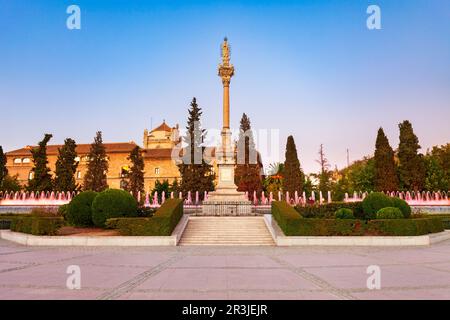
column 99, row 210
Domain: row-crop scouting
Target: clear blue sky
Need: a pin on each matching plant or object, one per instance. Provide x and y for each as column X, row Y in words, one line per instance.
column 309, row 68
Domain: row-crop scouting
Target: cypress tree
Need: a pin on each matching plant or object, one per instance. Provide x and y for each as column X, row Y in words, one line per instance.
column 95, row 178
column 411, row 167
column 42, row 179
column 247, row 174
column 136, row 174
column 196, row 174
column 3, row 169
column 66, row 167
column 293, row 176
column 385, row 169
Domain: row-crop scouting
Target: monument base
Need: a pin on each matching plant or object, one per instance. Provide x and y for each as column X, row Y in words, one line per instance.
column 226, row 208
column 226, row 202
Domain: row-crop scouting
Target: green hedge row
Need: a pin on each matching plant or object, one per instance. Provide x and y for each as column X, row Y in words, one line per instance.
column 162, row 223
column 444, row 217
column 38, row 226
column 287, row 217
column 328, row 210
column 405, row 227
column 6, row 218
column 293, row 224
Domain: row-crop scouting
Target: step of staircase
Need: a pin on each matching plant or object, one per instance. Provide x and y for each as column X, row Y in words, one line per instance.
column 245, row 231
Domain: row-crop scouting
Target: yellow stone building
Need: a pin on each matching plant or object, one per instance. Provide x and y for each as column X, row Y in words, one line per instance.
column 157, row 148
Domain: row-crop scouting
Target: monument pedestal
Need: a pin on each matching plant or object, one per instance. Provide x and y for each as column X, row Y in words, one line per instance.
column 226, row 200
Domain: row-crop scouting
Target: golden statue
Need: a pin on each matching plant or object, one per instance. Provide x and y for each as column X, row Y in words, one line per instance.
column 225, row 52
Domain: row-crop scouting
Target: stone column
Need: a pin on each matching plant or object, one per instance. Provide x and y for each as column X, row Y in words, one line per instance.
column 226, row 104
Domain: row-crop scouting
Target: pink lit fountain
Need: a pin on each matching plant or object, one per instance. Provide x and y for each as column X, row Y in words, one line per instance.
column 35, row 199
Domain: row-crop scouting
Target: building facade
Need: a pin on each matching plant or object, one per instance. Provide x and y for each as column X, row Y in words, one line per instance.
column 158, row 146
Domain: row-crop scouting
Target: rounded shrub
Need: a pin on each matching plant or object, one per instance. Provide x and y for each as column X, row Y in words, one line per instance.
column 79, row 210
column 344, row 213
column 403, row 206
column 113, row 203
column 390, row 213
column 62, row 210
column 374, row 202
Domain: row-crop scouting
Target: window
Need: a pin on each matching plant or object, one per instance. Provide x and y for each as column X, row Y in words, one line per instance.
column 123, row 184
column 78, row 174
column 31, row 175
column 17, row 160
column 124, row 172
column 156, row 170
column 26, row 160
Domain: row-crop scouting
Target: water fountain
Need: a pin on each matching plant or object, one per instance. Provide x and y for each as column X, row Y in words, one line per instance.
column 23, row 201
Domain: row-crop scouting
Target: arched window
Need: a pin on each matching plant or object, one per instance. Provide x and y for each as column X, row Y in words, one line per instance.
column 78, row 174
column 26, row 160
column 31, row 175
column 17, row 160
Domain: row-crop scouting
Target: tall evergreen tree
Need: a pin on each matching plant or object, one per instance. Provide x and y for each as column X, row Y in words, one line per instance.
column 3, row 169
column 95, row 178
column 411, row 167
column 42, row 179
column 66, row 167
column 385, row 169
column 247, row 175
column 196, row 173
column 136, row 173
column 293, row 175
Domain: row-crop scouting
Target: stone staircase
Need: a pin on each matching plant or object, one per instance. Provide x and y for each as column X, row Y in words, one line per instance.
column 246, row 231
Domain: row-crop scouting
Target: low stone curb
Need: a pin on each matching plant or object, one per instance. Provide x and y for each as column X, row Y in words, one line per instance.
column 282, row 240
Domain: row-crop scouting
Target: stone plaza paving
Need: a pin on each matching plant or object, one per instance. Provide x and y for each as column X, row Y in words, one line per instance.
column 225, row 272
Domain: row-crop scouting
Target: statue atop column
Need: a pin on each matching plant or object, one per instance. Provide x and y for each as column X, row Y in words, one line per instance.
column 226, row 200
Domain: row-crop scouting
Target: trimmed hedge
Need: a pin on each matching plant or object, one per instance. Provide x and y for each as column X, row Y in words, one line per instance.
column 344, row 213
column 445, row 222
column 113, row 203
column 351, row 227
column 39, row 226
column 405, row 227
column 287, row 217
column 293, row 224
column 162, row 223
column 79, row 211
column 402, row 205
column 390, row 213
column 6, row 218
column 329, row 227
column 374, row 202
column 445, row 218
column 328, row 210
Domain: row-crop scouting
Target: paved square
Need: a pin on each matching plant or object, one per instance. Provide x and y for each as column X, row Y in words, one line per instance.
column 225, row 272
